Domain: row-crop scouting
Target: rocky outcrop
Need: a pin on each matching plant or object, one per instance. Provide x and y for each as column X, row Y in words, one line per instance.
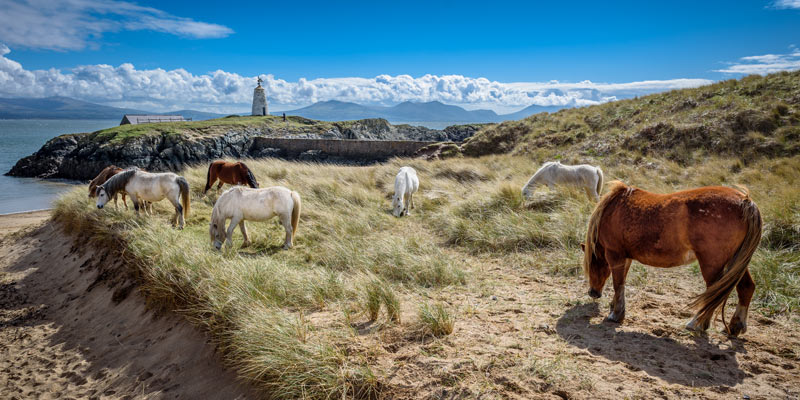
column 82, row 156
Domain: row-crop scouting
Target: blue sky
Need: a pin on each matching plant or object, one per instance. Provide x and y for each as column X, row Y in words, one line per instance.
column 498, row 55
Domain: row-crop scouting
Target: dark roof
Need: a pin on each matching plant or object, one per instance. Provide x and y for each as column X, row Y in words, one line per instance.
column 135, row 119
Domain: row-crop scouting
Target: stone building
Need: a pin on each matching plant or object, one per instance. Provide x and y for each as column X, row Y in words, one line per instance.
column 260, row 100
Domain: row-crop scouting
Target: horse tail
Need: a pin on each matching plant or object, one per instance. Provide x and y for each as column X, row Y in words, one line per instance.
column 599, row 181
column 208, row 178
column 717, row 294
column 593, row 230
column 251, row 179
column 185, row 202
column 295, row 212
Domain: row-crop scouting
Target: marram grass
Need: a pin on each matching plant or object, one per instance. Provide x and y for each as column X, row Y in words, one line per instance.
column 284, row 319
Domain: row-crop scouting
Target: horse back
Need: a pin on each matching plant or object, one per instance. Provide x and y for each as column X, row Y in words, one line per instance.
column 666, row 230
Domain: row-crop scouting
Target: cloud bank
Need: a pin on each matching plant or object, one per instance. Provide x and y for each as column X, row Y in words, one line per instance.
column 765, row 64
column 75, row 24
column 786, row 4
column 226, row 92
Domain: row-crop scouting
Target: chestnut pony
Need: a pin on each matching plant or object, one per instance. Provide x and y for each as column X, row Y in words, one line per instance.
column 719, row 227
column 101, row 178
column 232, row 173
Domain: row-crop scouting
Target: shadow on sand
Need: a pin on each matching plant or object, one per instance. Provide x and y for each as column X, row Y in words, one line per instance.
column 700, row 364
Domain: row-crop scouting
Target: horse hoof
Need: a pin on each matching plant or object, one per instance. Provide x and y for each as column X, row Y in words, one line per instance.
column 615, row 318
column 694, row 326
column 737, row 328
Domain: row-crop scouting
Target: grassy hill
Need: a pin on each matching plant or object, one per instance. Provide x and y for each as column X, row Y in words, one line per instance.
column 479, row 293
column 757, row 116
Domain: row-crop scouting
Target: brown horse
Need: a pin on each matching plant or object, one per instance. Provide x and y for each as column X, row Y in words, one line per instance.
column 233, row 173
column 100, row 179
column 717, row 226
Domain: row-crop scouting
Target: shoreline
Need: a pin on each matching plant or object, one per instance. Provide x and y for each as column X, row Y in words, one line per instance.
column 24, row 212
column 15, row 222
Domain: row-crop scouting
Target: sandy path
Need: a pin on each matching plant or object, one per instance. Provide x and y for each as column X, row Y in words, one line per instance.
column 523, row 333
column 65, row 334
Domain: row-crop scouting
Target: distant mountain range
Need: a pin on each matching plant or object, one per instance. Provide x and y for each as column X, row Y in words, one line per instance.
column 68, row 108
column 410, row 112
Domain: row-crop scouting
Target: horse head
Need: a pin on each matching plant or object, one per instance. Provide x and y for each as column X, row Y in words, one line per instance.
column 216, row 233
column 397, row 206
column 597, row 271
column 102, row 196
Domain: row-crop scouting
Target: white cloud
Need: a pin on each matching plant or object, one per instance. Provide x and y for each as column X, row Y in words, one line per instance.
column 226, row 92
column 76, row 24
column 765, row 64
column 784, row 4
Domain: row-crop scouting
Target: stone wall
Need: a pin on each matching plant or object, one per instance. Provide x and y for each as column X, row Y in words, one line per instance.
column 365, row 150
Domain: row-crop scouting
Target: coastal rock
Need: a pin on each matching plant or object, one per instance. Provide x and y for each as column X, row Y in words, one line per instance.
column 163, row 148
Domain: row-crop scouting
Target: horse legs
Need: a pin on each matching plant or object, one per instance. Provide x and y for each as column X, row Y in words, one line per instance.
column 234, row 221
column 115, row 200
column 244, row 233
column 135, row 201
column 407, row 203
column 710, row 275
column 286, row 221
column 411, row 200
column 176, row 202
column 744, row 290
column 124, row 200
column 619, row 272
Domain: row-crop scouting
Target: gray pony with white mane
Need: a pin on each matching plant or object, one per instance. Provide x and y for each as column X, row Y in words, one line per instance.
column 552, row 173
column 148, row 187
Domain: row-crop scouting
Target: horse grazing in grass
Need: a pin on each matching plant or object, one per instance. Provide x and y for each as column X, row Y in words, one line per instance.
column 554, row 173
column 239, row 204
column 101, row 178
column 148, row 187
column 406, row 184
column 232, row 173
column 719, row 227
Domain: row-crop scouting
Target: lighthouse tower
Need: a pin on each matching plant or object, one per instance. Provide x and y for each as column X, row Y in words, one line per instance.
column 259, row 100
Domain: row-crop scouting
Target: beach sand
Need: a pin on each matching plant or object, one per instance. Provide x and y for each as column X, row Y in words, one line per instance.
column 72, row 325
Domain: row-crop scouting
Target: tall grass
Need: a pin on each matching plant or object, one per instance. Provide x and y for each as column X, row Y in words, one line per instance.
column 283, row 318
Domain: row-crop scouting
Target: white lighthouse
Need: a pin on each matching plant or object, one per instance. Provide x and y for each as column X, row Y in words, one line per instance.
column 260, row 100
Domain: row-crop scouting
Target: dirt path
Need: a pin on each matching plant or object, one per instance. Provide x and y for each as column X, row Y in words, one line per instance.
column 65, row 334
column 522, row 333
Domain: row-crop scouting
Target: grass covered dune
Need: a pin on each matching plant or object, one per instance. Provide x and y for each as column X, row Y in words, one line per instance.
column 322, row 319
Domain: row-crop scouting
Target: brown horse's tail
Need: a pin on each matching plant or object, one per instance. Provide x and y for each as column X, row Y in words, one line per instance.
column 251, row 179
column 593, row 230
column 208, row 178
column 295, row 212
column 717, row 294
column 185, row 202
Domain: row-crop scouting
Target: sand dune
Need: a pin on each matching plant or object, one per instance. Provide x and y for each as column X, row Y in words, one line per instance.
column 64, row 333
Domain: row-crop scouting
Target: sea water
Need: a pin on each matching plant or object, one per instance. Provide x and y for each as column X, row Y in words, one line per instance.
column 22, row 137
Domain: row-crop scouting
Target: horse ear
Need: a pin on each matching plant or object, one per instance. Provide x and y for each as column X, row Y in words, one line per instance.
column 583, row 247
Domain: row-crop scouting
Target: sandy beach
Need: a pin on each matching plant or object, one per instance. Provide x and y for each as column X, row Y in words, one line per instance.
column 72, row 325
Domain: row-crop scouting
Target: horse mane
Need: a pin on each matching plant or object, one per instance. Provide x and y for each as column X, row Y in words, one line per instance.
column 593, row 230
column 118, row 181
column 251, row 179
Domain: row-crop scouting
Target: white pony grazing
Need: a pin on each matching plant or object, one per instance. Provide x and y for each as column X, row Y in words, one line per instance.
column 148, row 187
column 554, row 173
column 406, row 184
column 241, row 203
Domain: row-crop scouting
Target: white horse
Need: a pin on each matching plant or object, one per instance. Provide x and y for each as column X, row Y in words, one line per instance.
column 148, row 187
column 554, row 173
column 406, row 184
column 242, row 203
